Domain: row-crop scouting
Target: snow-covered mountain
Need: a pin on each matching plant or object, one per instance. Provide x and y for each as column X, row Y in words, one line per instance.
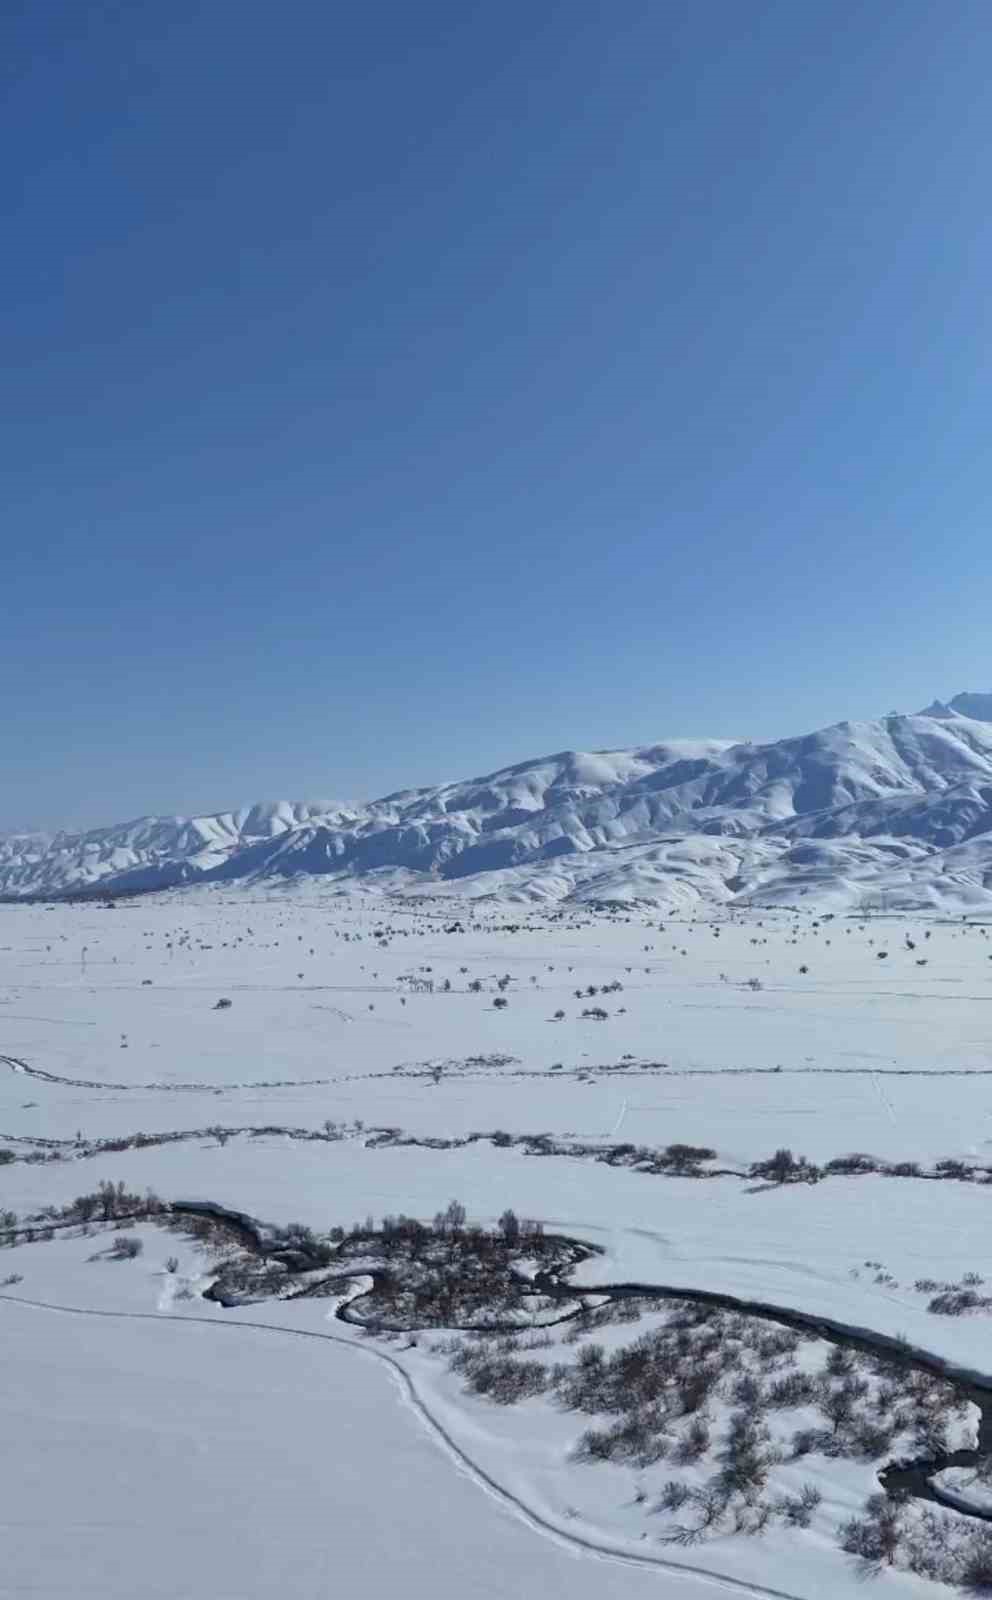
column 162, row 850
column 890, row 813
column 978, row 706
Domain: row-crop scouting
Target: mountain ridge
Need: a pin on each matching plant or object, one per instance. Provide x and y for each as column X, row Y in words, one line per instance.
column 900, row 807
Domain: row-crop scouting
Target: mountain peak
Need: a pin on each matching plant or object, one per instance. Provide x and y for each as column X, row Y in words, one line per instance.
column 976, row 706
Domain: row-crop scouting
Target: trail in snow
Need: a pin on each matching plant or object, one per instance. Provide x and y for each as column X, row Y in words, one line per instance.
column 577, row 1543
column 619, row 1122
column 883, row 1097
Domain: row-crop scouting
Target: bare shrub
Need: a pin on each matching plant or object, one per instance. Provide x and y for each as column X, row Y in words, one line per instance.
column 746, row 1459
column 784, row 1167
column 683, row 1536
column 748, row 1393
column 687, row 1155
column 976, row 1570
column 635, row 1438
column 840, row 1363
column 507, row 1379
column 799, row 1509
column 838, row 1401
column 674, row 1495
column 874, row 1536
column 956, row 1302
column 952, row 1168
column 795, row 1389
column 775, row 1344
column 694, row 1443
column 509, row 1225
column 125, row 1249
column 868, row 1439
column 807, row 1440
column 854, row 1163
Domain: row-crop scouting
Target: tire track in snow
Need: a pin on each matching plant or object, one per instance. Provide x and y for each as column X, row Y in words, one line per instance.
column 887, row 1105
column 576, row 1544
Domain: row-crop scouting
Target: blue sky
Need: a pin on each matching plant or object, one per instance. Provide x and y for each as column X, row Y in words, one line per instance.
column 394, row 392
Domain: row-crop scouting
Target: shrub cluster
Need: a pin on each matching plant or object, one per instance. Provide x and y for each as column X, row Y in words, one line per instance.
column 925, row 1540
column 655, row 1399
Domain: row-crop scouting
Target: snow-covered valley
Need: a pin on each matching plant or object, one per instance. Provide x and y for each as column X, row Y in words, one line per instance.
column 307, row 1057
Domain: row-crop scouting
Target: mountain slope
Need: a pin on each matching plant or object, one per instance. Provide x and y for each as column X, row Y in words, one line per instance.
column 900, row 807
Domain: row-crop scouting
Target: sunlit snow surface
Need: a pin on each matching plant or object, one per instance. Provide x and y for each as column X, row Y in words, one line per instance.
column 219, row 1460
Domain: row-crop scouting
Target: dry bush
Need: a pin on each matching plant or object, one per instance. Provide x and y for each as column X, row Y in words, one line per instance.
column 957, row 1302
column 857, row 1162
column 875, row 1536
column 125, row 1249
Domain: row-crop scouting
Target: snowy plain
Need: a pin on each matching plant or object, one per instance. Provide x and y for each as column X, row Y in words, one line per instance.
column 109, row 1027
column 182, row 1466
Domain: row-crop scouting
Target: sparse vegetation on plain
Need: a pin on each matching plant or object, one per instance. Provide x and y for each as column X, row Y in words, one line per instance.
column 740, row 1438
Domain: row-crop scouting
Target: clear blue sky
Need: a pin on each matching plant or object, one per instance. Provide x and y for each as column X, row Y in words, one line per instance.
column 393, row 391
